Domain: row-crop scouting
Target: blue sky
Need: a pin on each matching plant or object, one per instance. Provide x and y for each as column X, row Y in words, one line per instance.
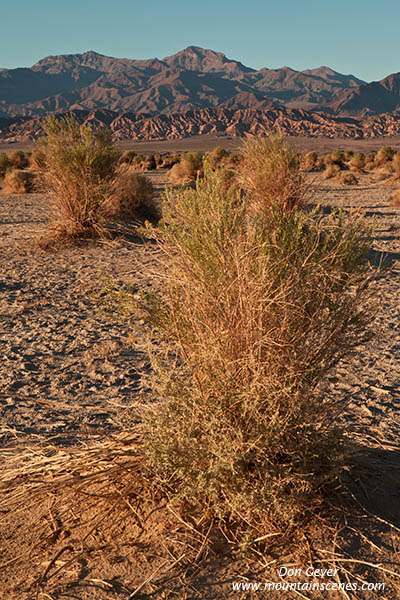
column 351, row 36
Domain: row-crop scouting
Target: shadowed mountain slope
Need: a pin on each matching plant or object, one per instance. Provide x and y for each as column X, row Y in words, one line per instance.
column 194, row 78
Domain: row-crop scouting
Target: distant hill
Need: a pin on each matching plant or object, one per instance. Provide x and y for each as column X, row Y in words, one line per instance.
column 194, row 91
column 370, row 98
column 194, row 78
column 224, row 121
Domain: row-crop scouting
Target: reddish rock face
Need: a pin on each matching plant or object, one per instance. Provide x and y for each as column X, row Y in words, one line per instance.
column 195, row 91
column 245, row 122
column 194, row 78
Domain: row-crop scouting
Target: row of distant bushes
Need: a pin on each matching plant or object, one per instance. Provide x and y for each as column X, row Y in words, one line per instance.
column 346, row 165
column 17, row 168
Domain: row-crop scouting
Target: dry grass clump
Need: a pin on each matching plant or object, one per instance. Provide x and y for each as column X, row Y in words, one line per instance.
column 357, row 162
column 348, row 178
column 187, row 170
column 383, row 173
column 18, row 159
column 4, row 164
column 309, row 162
column 332, row 170
column 18, row 182
column 217, row 157
column 258, row 307
column 131, row 195
column 270, row 171
column 396, row 165
column 384, row 155
column 76, row 165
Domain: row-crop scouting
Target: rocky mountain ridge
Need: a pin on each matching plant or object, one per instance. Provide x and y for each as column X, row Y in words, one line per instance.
column 223, row 121
column 192, row 79
column 194, row 91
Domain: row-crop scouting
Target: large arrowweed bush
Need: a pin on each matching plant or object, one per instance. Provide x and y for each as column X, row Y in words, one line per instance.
column 258, row 307
column 76, row 165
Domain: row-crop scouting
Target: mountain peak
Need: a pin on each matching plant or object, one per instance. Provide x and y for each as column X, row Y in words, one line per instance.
column 195, row 58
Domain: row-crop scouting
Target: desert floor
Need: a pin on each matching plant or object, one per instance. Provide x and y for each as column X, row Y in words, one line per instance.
column 67, row 372
column 205, row 143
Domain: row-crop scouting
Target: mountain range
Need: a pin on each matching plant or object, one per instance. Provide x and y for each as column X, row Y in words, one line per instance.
column 183, row 93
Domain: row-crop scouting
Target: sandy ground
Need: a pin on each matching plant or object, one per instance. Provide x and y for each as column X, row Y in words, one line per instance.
column 66, row 369
column 205, row 143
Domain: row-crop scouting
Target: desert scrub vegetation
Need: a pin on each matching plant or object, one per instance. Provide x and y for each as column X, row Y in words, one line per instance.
column 259, row 305
column 332, row 170
column 18, row 159
column 270, row 172
column 187, row 170
column 357, row 162
column 131, row 194
column 76, row 165
column 348, row 178
column 4, row 164
column 18, row 182
column 310, row 161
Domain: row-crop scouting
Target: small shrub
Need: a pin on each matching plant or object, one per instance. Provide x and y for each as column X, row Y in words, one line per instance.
column 332, row 170
column 381, row 175
column 170, row 160
column 370, row 162
column 18, row 182
column 384, row 155
column 396, row 164
column 357, row 162
column 4, row 164
column 187, row 170
column 309, row 161
column 127, row 157
column 158, row 160
column 348, row 178
column 149, row 163
column 76, row 165
column 270, row 171
column 348, row 154
column 131, row 195
column 337, row 157
column 216, row 157
column 18, row 159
